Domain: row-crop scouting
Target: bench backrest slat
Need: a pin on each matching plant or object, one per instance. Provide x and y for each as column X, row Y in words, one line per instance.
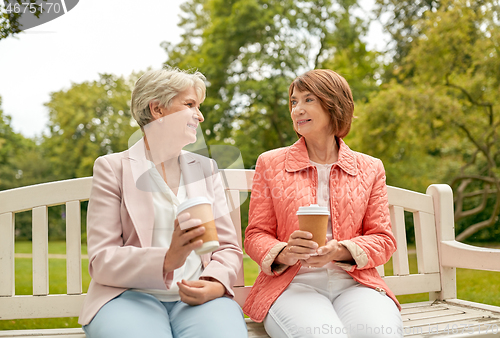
column 414, row 283
column 40, row 251
column 51, row 306
column 400, row 264
column 426, row 243
column 45, row 194
column 73, row 248
column 7, row 272
column 233, row 198
column 410, row 200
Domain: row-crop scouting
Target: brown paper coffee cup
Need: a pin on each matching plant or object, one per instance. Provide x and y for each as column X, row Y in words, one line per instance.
column 314, row 219
column 201, row 208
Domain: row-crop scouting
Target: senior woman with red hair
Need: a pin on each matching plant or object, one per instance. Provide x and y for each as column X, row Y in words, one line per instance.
column 335, row 290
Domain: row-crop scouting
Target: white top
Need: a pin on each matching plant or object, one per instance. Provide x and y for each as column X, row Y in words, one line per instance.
column 165, row 208
column 323, row 200
column 323, row 192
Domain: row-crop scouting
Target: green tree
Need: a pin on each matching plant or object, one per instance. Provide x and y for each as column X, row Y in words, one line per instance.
column 251, row 50
column 443, row 117
column 468, row 72
column 401, row 22
column 10, row 144
column 398, row 125
column 86, row 121
column 21, row 162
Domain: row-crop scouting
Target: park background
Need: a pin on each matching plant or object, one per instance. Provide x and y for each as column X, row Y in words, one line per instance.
column 426, row 102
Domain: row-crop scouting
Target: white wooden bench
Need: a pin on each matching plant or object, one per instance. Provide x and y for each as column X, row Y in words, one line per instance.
column 438, row 255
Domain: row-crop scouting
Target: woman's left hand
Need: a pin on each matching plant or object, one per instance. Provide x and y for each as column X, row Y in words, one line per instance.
column 197, row 292
column 332, row 251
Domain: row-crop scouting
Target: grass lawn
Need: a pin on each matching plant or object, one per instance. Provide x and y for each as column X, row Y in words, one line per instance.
column 54, row 247
column 477, row 286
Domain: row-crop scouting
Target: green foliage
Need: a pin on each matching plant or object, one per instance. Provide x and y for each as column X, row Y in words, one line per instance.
column 399, row 125
column 402, row 22
column 86, row 121
column 251, row 50
column 437, row 119
column 25, row 166
column 347, row 53
column 21, row 162
column 8, row 140
column 434, row 118
column 458, row 56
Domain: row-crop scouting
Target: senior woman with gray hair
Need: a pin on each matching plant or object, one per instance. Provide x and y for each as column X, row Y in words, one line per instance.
column 146, row 279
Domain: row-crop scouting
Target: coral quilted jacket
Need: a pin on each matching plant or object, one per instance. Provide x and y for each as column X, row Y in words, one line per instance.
column 285, row 180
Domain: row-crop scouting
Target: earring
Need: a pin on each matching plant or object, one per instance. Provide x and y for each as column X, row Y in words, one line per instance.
column 161, row 119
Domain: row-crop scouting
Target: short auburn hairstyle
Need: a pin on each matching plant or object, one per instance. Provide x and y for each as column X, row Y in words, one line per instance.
column 334, row 94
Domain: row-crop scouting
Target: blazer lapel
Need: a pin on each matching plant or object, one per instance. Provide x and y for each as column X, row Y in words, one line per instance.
column 194, row 178
column 195, row 183
column 137, row 189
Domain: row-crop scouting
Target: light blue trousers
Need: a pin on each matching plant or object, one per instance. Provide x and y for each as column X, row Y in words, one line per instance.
column 134, row 314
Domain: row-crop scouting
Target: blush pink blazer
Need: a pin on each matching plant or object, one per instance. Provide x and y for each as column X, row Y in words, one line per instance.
column 120, row 222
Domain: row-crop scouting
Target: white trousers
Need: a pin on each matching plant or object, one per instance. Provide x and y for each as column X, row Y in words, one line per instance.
column 329, row 303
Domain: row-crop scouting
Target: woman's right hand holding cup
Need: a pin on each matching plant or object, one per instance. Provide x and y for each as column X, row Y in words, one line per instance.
column 299, row 247
column 182, row 244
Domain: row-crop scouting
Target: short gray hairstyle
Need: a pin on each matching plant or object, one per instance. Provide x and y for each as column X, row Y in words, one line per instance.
column 162, row 85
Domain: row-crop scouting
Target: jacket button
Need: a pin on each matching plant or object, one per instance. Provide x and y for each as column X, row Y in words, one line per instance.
column 380, row 290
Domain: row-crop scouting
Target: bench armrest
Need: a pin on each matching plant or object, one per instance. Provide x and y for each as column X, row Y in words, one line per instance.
column 460, row 255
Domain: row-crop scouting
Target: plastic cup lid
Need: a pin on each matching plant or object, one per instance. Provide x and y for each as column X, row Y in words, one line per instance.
column 191, row 203
column 313, row 209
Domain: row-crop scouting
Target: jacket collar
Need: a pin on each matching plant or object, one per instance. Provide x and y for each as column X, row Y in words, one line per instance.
column 137, row 192
column 140, row 164
column 297, row 157
column 193, row 175
column 137, row 187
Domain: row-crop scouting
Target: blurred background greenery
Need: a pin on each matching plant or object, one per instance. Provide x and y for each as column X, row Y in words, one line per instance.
column 427, row 104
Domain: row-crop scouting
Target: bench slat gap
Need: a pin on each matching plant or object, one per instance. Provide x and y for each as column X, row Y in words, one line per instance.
column 73, row 248
column 7, row 262
column 400, row 263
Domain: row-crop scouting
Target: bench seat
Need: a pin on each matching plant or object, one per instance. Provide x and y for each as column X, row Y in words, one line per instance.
column 452, row 318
